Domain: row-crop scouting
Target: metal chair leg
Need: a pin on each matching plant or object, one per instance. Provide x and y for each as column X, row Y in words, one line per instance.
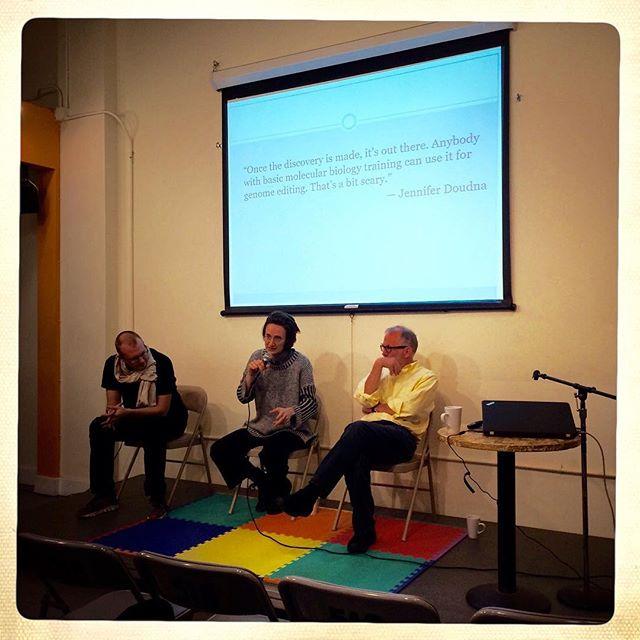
column 236, row 492
column 126, row 475
column 411, row 504
column 305, row 473
column 432, row 493
column 180, row 471
column 205, row 459
column 339, row 511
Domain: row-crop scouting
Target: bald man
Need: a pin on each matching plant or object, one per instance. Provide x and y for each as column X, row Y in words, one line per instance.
column 143, row 404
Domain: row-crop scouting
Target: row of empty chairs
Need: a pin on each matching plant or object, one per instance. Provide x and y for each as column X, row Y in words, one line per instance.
column 173, row 589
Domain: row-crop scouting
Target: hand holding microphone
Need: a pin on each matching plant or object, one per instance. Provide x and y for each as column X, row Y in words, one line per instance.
column 255, row 367
column 253, row 370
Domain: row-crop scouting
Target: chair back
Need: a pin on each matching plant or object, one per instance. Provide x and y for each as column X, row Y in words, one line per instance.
column 502, row 615
column 75, row 563
column 205, row 587
column 307, row 600
column 194, row 398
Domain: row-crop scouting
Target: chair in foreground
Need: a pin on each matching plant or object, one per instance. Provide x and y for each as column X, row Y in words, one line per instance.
column 195, row 400
column 84, row 564
column 227, row 592
column 501, row 615
column 307, row 600
column 420, row 460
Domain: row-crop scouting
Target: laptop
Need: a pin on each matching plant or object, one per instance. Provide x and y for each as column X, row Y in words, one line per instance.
column 527, row 419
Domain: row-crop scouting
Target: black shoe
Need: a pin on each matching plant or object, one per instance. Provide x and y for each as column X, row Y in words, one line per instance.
column 98, row 505
column 158, row 510
column 301, row 502
column 261, row 505
column 269, row 503
column 281, row 487
column 360, row 543
column 279, row 492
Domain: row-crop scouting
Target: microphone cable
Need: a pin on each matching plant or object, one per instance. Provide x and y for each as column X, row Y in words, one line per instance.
column 335, row 553
column 467, row 476
column 604, row 479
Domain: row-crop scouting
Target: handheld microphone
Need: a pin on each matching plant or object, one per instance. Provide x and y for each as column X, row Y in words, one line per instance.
column 266, row 359
column 536, row 374
column 467, row 483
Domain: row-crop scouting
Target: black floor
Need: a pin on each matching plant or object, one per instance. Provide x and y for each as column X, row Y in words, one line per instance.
column 469, row 563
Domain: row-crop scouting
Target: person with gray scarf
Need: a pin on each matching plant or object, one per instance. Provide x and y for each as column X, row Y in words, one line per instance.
column 143, row 405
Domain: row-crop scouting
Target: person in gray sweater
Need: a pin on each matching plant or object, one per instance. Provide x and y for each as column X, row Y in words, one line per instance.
column 280, row 380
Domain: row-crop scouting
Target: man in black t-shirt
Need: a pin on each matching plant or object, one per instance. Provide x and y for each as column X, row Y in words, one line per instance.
column 143, row 404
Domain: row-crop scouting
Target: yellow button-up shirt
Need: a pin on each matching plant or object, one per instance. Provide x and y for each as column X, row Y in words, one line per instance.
column 410, row 394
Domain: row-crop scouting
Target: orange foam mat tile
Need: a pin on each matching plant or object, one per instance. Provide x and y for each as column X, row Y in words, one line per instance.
column 314, row 527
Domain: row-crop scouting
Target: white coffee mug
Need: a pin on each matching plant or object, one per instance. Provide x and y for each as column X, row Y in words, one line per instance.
column 474, row 526
column 452, row 418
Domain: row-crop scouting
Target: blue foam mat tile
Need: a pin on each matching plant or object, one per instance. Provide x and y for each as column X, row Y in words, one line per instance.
column 168, row 536
column 411, row 577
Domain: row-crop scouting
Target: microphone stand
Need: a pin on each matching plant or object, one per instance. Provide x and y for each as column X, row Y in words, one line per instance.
column 589, row 597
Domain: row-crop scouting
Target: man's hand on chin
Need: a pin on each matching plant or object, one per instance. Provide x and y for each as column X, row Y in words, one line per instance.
column 389, row 363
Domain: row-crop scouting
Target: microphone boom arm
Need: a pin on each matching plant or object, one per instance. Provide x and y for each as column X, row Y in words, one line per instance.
column 582, row 389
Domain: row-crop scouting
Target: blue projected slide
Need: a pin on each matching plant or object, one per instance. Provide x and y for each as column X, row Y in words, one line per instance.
column 380, row 188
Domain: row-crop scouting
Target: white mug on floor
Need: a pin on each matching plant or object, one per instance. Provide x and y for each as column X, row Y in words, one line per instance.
column 474, row 526
column 452, row 418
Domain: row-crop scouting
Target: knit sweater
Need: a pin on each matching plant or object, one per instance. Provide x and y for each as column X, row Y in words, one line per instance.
column 286, row 382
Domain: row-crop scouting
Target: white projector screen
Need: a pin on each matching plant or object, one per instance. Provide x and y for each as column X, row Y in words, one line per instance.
column 379, row 185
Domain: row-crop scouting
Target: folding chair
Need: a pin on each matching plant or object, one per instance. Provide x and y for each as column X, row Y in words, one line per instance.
column 501, row 615
column 307, row 600
column 221, row 590
column 62, row 562
column 312, row 448
column 195, row 400
column 420, row 460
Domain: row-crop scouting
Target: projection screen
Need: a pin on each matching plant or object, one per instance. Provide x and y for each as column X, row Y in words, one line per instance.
column 375, row 185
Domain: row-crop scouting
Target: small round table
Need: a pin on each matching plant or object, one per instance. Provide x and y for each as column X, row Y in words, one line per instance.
column 505, row 593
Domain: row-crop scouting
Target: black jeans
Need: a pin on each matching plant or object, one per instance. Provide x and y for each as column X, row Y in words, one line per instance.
column 230, row 456
column 152, row 432
column 361, row 446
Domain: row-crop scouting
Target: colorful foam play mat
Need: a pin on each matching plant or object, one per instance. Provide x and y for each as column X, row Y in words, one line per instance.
column 278, row 546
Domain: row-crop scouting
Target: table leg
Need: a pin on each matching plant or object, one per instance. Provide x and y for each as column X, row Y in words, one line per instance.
column 506, row 521
column 506, row 593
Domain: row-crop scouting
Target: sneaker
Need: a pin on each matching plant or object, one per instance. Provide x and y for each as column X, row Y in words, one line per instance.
column 158, row 511
column 360, row 543
column 98, row 505
column 301, row 502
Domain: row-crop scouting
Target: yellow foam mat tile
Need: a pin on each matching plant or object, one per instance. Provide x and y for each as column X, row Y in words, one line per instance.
column 248, row 549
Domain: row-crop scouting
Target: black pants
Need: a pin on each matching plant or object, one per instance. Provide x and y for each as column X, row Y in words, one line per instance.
column 361, row 446
column 230, row 456
column 153, row 432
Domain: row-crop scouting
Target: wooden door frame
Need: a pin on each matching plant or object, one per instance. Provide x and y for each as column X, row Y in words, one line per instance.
column 40, row 147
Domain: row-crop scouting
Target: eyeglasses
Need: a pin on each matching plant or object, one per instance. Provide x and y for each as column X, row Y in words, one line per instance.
column 386, row 347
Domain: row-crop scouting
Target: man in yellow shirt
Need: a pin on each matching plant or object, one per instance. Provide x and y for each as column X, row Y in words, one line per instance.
column 396, row 397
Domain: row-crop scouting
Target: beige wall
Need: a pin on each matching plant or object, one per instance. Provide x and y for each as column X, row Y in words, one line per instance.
column 563, row 241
